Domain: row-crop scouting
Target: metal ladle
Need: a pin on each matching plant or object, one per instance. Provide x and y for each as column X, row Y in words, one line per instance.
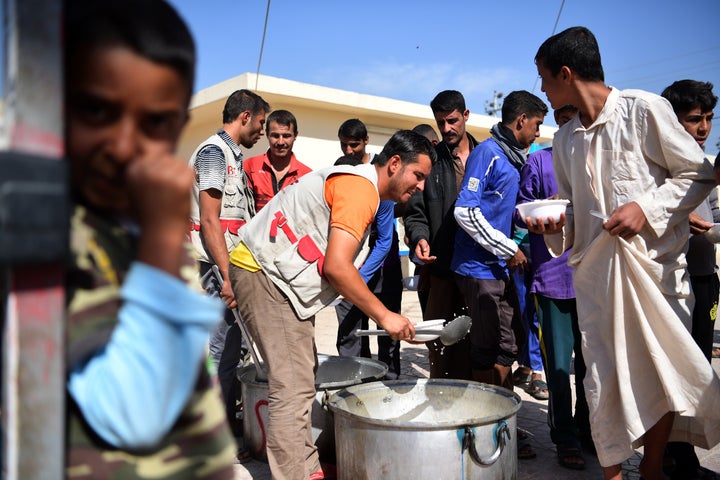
column 454, row 331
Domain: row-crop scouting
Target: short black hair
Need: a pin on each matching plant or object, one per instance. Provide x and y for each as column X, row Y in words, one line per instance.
column 575, row 48
column 519, row 102
column 243, row 101
column 427, row 131
column 685, row 95
column 353, row 128
column 284, row 118
column 151, row 28
column 565, row 108
column 448, row 101
column 347, row 160
column 408, row 145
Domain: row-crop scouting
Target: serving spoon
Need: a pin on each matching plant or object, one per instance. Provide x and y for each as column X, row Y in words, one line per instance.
column 451, row 333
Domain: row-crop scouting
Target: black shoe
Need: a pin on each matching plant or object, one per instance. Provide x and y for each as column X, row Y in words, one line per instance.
column 692, row 473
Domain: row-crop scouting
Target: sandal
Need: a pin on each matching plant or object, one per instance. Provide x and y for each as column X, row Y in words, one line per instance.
column 525, row 450
column 570, row 451
column 538, row 389
column 242, row 456
column 521, row 377
column 716, row 352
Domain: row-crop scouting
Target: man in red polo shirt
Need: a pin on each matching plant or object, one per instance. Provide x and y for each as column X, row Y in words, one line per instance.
column 268, row 173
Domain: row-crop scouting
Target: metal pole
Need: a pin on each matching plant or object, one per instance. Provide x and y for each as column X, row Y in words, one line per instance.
column 33, row 397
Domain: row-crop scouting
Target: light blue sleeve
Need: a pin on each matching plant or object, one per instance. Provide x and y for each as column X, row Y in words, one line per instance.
column 132, row 391
column 384, row 222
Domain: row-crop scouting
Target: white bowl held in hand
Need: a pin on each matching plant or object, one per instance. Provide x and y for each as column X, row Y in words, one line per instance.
column 713, row 235
column 545, row 209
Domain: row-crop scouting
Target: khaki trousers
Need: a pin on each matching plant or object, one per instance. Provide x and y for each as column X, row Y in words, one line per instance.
column 287, row 346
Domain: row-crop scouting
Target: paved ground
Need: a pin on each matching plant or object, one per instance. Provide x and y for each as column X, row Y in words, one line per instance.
column 532, row 415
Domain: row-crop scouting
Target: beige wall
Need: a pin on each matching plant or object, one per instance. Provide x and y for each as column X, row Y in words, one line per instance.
column 319, row 112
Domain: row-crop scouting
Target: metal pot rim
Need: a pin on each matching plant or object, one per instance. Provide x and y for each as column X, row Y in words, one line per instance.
column 247, row 375
column 340, row 395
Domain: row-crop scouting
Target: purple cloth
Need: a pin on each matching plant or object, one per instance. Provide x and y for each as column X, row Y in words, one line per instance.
column 552, row 277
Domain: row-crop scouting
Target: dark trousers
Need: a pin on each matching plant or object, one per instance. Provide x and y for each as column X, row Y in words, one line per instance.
column 227, row 348
column 496, row 334
column 445, row 301
column 706, row 289
column 351, row 318
column 530, row 355
column 389, row 349
column 423, row 287
column 560, row 339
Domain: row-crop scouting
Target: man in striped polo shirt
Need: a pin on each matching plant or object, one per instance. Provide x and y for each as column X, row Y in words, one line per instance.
column 221, row 204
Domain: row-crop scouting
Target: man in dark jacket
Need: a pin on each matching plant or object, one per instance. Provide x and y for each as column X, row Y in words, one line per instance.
column 431, row 227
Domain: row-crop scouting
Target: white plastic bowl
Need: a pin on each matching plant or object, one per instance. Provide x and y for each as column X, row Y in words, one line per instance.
column 545, row 209
column 425, row 337
column 713, row 235
column 428, row 330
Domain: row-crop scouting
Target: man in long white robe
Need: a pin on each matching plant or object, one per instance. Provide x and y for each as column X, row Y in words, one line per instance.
column 626, row 156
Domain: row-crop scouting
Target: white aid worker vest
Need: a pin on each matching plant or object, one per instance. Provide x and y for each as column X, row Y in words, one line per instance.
column 237, row 201
column 288, row 239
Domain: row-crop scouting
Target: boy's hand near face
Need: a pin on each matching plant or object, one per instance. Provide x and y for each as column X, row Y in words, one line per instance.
column 159, row 190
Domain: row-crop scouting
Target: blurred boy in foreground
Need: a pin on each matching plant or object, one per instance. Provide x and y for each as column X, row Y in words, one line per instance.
column 141, row 403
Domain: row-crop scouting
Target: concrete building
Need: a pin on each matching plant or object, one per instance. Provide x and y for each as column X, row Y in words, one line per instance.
column 319, row 112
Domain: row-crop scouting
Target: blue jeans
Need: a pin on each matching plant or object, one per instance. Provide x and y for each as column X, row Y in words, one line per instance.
column 530, row 355
column 561, row 338
column 227, row 348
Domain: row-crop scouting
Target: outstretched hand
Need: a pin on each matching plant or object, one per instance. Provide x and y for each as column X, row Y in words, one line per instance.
column 422, row 252
column 698, row 226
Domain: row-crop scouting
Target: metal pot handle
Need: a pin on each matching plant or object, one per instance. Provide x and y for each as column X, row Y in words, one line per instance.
column 324, row 400
column 502, row 435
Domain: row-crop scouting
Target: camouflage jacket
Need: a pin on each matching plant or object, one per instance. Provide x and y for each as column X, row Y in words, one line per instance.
column 200, row 444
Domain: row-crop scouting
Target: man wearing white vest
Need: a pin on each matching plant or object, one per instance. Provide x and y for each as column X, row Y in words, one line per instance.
column 221, row 204
column 295, row 257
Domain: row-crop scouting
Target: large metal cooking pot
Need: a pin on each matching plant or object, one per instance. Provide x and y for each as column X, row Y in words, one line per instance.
column 333, row 373
column 425, row 429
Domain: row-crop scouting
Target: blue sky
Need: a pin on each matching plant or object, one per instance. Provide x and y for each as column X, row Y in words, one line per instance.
column 412, row 49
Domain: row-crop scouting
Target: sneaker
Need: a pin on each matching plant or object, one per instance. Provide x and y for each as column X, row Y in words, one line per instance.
column 319, row 475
